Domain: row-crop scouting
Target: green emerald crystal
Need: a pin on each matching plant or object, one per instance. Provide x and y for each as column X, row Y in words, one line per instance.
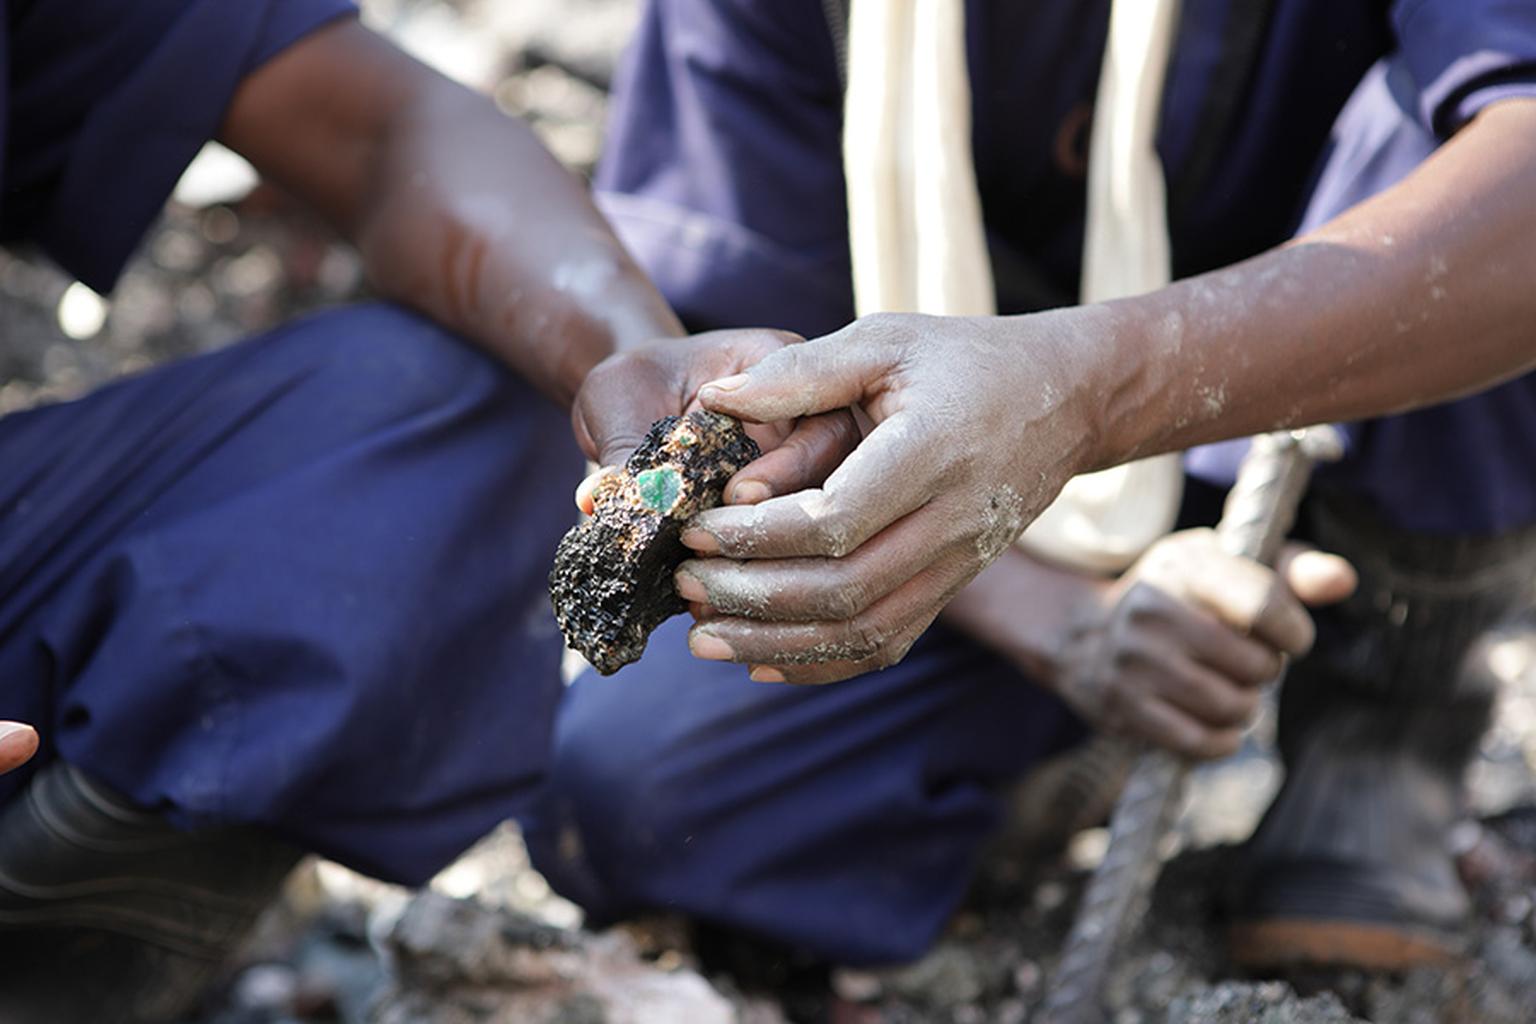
column 659, row 488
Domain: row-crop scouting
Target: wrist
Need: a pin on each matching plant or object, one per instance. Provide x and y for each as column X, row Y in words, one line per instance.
column 610, row 309
column 1128, row 348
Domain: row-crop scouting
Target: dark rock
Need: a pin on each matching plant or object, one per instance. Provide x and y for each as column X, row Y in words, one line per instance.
column 612, row 580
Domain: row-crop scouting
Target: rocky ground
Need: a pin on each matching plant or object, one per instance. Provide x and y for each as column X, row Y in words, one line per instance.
column 488, row 941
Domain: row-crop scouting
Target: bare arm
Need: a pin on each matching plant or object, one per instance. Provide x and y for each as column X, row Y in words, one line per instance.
column 458, row 211
column 1421, row 294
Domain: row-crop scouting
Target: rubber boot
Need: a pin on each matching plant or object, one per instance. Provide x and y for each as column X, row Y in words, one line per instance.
column 1351, row 865
column 110, row 915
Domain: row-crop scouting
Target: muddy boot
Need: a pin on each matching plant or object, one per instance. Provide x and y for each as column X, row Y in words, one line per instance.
column 108, row 914
column 1351, row 865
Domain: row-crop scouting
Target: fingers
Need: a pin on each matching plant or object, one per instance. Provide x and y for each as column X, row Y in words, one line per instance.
column 803, row 459
column 1254, row 600
column 876, row 637
column 1172, row 729
column 829, row 373
column 619, row 401
column 885, row 478
column 1315, row 577
column 18, row 743
column 820, row 589
column 814, row 675
column 1212, row 699
column 1159, row 666
column 816, row 446
column 627, row 392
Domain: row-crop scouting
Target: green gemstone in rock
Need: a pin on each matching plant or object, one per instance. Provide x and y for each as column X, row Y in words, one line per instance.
column 659, row 488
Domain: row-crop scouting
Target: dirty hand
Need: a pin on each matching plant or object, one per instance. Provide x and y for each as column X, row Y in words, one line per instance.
column 18, row 743
column 1178, row 649
column 977, row 424
column 630, row 390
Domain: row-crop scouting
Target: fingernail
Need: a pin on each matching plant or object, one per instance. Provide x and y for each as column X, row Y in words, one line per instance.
column 701, row 541
column 17, row 735
column 750, row 492
column 586, row 487
column 688, row 586
column 730, row 383
column 709, row 647
column 764, row 674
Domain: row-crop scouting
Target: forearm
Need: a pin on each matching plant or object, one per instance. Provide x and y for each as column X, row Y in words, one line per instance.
column 501, row 243
column 1025, row 610
column 458, row 210
column 1419, row 295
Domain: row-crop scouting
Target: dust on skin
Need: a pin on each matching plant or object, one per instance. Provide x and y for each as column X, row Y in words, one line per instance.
column 1002, row 521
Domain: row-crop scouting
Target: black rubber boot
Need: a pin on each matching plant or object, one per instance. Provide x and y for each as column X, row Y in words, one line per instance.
column 108, row 914
column 1351, row 865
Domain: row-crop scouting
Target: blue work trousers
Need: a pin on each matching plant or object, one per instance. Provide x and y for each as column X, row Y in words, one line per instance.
column 298, row 583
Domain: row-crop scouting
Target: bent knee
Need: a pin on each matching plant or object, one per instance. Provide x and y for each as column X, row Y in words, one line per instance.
column 618, row 808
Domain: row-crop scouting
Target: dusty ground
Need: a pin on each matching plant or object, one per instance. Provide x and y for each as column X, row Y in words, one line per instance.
column 344, row 949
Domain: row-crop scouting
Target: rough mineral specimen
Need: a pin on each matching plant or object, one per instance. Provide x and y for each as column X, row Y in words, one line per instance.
column 612, row 580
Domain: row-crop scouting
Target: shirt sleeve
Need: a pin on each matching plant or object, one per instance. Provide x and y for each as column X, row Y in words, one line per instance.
column 109, row 102
column 722, row 170
column 1464, row 54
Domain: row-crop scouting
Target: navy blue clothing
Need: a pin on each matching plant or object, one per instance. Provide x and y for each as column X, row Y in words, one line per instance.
column 723, row 169
column 846, row 819
column 296, row 583
column 105, row 102
column 842, row 819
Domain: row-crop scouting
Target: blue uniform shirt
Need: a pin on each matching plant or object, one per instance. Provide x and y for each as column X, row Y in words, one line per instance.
column 103, row 103
column 723, row 172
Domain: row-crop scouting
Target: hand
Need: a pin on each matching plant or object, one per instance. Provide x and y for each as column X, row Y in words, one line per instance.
column 627, row 392
column 1178, row 649
column 18, row 743
column 978, row 423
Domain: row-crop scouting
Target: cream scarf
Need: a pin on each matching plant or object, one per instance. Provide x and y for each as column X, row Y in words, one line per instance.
column 915, row 226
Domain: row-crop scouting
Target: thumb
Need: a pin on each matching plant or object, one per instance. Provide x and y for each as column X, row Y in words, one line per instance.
column 18, row 743
column 818, row 376
column 1316, row 577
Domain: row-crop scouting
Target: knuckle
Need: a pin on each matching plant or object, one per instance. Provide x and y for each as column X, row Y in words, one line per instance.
column 1144, row 605
column 832, row 534
column 866, row 639
column 845, row 599
column 1134, row 654
column 1124, row 658
column 1115, row 705
column 885, row 328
